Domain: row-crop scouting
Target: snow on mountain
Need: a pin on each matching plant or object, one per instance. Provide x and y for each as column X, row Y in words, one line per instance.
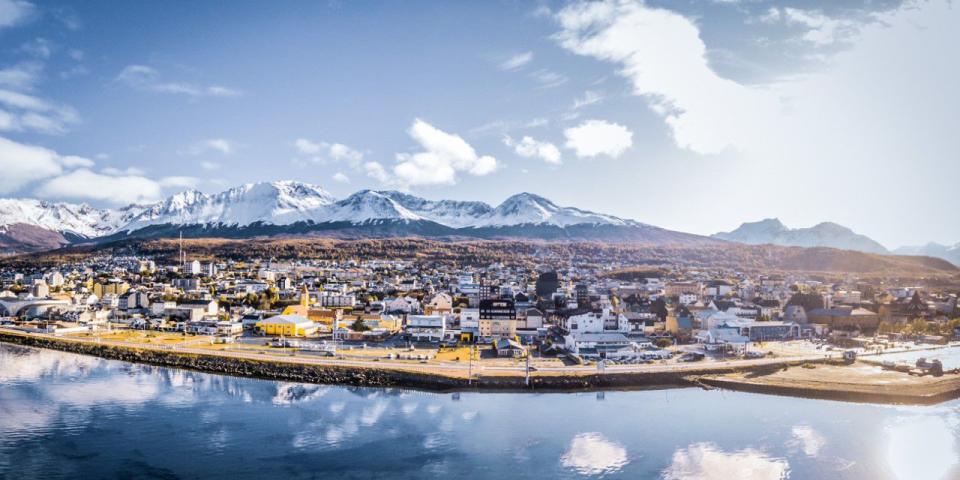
column 826, row 234
column 365, row 206
column 286, row 202
column 933, row 249
column 82, row 220
column 527, row 208
column 278, row 203
column 452, row 213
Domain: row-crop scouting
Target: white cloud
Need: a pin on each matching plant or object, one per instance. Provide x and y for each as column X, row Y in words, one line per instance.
column 24, row 112
column 589, row 97
column 529, row 148
column 340, row 177
column 179, row 182
column 592, row 454
column 22, row 164
column 142, row 77
column 821, row 29
column 598, row 137
column 13, row 12
column 73, row 161
column 661, row 53
column 22, row 76
column 84, row 184
column 219, row 145
column 324, row 152
column 548, row 78
column 443, row 156
column 517, row 61
column 704, row 461
column 377, row 172
column 209, row 166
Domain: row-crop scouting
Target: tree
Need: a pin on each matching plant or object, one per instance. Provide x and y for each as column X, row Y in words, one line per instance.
column 359, row 325
column 664, row 342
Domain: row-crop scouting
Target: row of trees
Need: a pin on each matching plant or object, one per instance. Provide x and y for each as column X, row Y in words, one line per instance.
column 920, row 326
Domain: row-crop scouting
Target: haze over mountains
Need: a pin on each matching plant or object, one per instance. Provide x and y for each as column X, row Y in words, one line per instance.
column 827, row 234
column 292, row 208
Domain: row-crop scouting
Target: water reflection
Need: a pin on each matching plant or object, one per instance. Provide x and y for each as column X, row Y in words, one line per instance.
column 70, row 416
column 592, row 454
column 705, row 461
column 922, row 446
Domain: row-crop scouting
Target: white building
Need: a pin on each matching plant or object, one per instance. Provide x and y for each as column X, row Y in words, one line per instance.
column 426, row 328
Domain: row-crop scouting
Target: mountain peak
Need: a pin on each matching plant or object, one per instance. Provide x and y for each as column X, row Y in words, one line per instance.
column 824, row 234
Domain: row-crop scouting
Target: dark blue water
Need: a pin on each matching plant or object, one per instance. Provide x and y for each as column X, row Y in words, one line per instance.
column 71, row 416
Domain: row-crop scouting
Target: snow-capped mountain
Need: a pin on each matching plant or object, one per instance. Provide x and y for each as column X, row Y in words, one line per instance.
column 286, row 207
column 826, row 234
column 277, row 203
column 80, row 220
column 933, row 249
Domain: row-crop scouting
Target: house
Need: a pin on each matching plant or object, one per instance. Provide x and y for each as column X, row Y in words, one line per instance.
column 426, row 328
column 509, row 348
column 440, row 304
column 287, row 325
column 599, row 345
column 722, row 338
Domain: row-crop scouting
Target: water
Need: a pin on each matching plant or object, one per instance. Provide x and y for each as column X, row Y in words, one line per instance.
column 950, row 356
column 72, row 416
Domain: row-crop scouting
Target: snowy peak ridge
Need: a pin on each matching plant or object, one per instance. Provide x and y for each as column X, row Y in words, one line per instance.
column 289, row 202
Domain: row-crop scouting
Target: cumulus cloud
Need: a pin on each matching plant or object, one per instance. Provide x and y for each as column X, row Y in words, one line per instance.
column 13, row 12
column 340, row 177
column 22, row 164
column 704, row 461
column 516, row 61
column 527, row 147
column 661, row 53
column 444, row 155
column 89, row 185
column 593, row 138
column 142, row 77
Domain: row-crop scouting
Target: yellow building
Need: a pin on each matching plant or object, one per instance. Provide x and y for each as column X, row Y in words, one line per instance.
column 110, row 288
column 288, row 326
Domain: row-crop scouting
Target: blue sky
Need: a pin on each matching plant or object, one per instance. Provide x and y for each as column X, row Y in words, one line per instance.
column 691, row 115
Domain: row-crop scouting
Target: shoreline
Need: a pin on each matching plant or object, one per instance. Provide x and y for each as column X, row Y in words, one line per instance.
column 754, row 378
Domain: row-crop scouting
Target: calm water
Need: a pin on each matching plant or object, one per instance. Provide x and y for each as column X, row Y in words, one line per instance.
column 71, row 416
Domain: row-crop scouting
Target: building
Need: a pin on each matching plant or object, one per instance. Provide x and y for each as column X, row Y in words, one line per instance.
column 426, row 328
column 288, row 326
column 509, row 348
column 498, row 319
column 598, row 322
column 845, row 318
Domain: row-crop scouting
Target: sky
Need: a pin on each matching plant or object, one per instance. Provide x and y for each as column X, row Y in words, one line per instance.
column 693, row 115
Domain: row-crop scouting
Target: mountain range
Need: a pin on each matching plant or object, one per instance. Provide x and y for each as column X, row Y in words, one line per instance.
column 933, row 249
column 772, row 231
column 287, row 208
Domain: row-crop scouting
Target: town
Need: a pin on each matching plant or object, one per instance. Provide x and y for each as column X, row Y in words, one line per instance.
column 502, row 316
